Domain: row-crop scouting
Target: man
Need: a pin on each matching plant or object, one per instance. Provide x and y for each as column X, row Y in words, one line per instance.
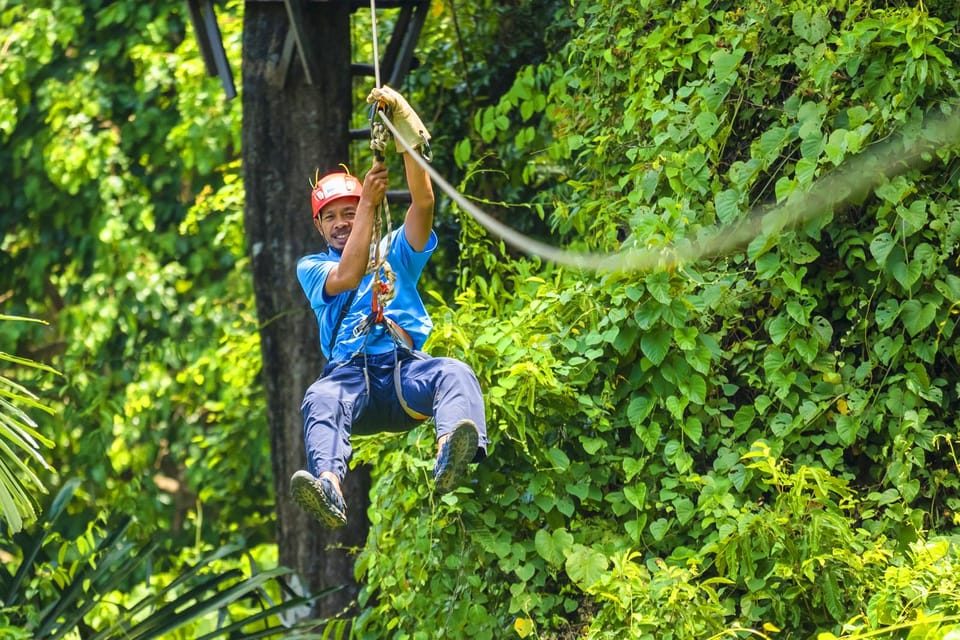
column 377, row 379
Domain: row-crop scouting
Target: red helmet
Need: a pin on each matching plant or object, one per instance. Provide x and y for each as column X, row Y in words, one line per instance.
column 334, row 186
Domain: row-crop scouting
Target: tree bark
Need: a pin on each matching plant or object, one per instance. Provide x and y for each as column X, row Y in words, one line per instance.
column 291, row 128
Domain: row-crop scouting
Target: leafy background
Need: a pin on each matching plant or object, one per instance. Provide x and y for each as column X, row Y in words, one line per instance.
column 757, row 444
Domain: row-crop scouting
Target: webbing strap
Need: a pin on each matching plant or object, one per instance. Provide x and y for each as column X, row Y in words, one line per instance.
column 416, row 415
column 343, row 314
column 403, row 341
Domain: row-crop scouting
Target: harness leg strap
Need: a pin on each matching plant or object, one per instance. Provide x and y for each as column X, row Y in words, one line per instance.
column 416, row 415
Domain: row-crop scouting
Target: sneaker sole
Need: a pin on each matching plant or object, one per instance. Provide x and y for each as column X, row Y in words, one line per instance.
column 309, row 493
column 463, row 446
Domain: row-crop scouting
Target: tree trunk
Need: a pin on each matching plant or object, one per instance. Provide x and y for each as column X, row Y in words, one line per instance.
column 291, row 128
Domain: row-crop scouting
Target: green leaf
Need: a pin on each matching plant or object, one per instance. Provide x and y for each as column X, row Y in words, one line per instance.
column 784, row 186
column 743, row 420
column 910, row 489
column 693, row 429
column 650, row 435
column 822, row 329
column 889, row 496
column 725, row 63
column 887, row 312
column 626, row 338
column 806, row 171
column 797, row 311
column 659, row 528
column 706, row 124
column 658, row 285
column 655, row 344
column 771, row 141
column 694, row 387
column 685, row 509
column 685, row 337
column 676, row 406
column 778, row 328
column 591, row 445
column 836, row 146
column 577, row 489
column 638, row 409
column 811, row 147
column 781, row 424
column 727, row 203
column 647, row 314
column 881, row 246
column 847, row 427
column 894, row 191
column 636, row 495
column 552, row 547
column 917, row 316
column 949, row 287
column 811, row 24
column 585, row 566
column 559, row 459
column 887, row 347
column 632, row 466
column 906, row 273
column 700, row 357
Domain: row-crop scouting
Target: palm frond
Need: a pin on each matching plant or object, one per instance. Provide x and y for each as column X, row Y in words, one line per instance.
column 201, row 591
column 20, row 441
column 13, row 589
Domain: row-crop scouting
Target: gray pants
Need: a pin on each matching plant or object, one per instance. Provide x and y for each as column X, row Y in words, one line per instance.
column 340, row 404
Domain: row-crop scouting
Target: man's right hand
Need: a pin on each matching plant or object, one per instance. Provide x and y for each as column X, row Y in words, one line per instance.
column 375, row 184
column 355, row 255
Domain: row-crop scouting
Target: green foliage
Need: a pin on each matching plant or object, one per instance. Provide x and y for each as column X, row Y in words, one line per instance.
column 626, row 494
column 622, row 405
column 925, row 580
column 800, row 560
column 124, row 173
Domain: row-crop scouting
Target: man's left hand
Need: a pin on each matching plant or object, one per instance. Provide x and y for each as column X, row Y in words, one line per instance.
column 408, row 124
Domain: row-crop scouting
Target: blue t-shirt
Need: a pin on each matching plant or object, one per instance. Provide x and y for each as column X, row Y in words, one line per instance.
column 406, row 308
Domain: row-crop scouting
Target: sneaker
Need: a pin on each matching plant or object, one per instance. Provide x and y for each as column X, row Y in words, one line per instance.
column 456, row 452
column 320, row 498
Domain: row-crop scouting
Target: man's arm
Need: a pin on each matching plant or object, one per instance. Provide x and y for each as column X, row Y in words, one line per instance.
column 418, row 222
column 354, row 258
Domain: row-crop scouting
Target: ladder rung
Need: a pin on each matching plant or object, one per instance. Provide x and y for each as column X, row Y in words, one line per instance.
column 360, row 134
column 363, row 69
column 398, row 196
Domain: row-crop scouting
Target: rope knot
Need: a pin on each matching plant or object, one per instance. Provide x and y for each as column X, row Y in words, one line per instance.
column 379, row 134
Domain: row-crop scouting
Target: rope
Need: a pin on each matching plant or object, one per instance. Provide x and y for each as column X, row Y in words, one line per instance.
column 376, row 54
column 383, row 290
column 848, row 183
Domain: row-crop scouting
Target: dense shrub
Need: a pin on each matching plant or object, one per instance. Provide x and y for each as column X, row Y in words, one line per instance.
column 751, row 438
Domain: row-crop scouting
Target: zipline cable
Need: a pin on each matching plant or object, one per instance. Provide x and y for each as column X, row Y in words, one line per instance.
column 849, row 182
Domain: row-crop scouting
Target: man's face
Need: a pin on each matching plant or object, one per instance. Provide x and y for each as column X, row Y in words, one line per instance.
column 336, row 221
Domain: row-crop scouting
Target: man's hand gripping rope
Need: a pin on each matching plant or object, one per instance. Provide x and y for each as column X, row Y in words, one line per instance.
column 410, row 131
